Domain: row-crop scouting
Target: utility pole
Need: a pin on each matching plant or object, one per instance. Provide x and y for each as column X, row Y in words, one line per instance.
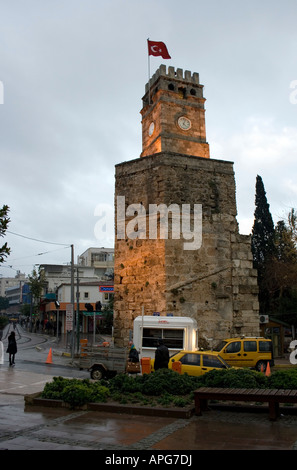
column 77, row 310
column 72, row 301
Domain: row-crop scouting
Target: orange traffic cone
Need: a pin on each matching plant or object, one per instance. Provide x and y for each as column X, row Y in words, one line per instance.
column 49, row 357
column 262, row 368
column 267, row 373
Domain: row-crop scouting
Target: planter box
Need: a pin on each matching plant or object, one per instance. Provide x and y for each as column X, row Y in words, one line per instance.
column 183, row 413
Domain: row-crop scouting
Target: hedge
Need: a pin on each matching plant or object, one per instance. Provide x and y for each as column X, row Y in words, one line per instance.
column 163, row 387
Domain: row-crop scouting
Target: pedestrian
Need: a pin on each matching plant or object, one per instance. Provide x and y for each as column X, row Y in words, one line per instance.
column 133, row 354
column 12, row 348
column 161, row 355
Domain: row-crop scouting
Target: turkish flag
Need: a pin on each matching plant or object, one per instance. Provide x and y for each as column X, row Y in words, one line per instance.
column 157, row 48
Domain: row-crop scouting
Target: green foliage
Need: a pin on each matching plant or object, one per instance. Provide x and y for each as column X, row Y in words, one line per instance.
column 155, row 384
column 263, row 229
column 4, row 221
column 275, row 253
column 37, row 282
column 4, row 303
column 163, row 387
column 283, row 379
column 3, row 322
column 75, row 392
column 233, row 378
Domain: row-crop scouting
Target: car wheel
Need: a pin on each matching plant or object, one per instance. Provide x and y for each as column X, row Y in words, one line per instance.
column 261, row 365
column 97, row 373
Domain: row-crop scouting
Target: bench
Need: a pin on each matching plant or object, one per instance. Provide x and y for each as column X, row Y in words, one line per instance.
column 272, row 396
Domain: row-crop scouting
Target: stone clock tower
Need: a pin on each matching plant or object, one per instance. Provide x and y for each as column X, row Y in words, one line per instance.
column 173, row 114
column 213, row 280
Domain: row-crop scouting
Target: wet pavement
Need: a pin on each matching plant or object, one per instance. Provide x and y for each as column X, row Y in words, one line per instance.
column 114, row 433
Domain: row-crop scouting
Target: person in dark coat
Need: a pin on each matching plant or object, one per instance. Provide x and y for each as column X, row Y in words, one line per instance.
column 161, row 356
column 133, row 354
column 12, row 348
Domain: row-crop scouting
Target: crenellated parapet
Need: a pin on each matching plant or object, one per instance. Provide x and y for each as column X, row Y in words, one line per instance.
column 172, row 74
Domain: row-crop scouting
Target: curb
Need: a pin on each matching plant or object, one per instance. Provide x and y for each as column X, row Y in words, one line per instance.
column 182, row 413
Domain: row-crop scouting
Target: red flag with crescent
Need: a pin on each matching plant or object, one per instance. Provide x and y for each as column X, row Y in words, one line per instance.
column 157, row 48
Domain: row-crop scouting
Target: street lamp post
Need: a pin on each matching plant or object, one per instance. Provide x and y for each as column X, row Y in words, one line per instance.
column 57, row 318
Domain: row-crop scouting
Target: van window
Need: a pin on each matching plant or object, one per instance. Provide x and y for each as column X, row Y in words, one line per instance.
column 265, row 346
column 233, row 347
column 250, row 346
column 173, row 338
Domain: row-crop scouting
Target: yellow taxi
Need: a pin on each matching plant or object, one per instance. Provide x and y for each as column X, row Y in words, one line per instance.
column 196, row 363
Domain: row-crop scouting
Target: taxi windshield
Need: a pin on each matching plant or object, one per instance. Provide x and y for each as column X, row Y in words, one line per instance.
column 219, row 346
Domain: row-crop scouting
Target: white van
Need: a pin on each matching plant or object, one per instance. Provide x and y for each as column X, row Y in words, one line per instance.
column 178, row 333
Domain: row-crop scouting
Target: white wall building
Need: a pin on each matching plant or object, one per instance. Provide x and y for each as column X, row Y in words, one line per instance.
column 89, row 292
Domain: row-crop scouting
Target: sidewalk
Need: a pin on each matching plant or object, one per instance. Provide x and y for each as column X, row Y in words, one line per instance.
column 63, row 429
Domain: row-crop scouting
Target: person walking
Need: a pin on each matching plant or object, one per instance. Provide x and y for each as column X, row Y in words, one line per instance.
column 161, row 355
column 12, row 348
column 133, row 354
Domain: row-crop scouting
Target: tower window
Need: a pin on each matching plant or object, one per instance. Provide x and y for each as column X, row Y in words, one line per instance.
column 182, row 92
column 171, row 87
column 193, row 92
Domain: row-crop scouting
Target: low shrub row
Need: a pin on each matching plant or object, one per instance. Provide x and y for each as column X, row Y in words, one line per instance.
column 163, row 387
column 76, row 392
column 247, row 378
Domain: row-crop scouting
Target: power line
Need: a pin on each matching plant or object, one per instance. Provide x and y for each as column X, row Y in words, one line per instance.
column 36, row 254
column 36, row 240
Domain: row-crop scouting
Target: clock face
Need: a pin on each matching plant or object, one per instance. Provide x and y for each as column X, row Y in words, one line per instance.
column 151, row 128
column 184, row 123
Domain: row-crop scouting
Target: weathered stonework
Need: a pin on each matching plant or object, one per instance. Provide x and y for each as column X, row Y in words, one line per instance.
column 215, row 284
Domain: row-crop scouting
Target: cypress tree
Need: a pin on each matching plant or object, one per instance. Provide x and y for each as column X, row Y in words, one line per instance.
column 263, row 246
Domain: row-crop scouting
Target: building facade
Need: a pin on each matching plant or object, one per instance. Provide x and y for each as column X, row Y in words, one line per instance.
column 94, row 297
column 6, row 282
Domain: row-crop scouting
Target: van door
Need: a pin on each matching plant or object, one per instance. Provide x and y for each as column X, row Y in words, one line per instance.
column 191, row 364
column 232, row 353
column 250, row 353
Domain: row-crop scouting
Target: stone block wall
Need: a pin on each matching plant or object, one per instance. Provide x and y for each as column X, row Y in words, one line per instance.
column 216, row 283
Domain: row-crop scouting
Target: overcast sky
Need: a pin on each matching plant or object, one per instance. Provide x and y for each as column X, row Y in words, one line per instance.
column 74, row 73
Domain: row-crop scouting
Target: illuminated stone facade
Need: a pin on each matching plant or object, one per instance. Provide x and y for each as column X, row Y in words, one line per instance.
column 215, row 282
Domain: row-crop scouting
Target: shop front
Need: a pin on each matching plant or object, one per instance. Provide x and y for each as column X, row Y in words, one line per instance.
column 280, row 333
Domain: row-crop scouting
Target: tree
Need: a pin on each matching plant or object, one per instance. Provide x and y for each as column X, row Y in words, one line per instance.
column 4, row 221
column 281, row 272
column 263, row 247
column 278, row 281
column 263, row 242
column 36, row 282
column 284, row 243
column 292, row 221
column 4, row 303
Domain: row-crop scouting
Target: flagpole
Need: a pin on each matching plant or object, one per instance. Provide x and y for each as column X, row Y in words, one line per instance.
column 149, row 73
